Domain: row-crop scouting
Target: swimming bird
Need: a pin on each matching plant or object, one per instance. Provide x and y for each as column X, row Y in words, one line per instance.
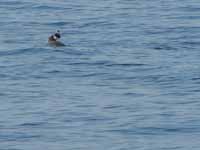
column 54, row 39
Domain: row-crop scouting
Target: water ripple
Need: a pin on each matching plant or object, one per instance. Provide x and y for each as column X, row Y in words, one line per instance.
column 128, row 77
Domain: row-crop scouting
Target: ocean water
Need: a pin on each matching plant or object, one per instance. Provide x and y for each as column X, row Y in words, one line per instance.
column 127, row 79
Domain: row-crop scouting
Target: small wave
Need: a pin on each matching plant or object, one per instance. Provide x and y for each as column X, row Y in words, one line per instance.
column 97, row 63
column 60, row 23
column 96, row 24
column 11, row 3
column 191, row 43
column 21, row 51
column 155, row 130
column 164, row 47
column 32, row 124
column 47, row 7
column 17, row 137
column 14, row 52
column 196, row 79
column 54, row 72
column 126, row 65
column 112, row 107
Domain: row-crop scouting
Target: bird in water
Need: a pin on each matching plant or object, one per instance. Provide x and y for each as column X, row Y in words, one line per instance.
column 53, row 40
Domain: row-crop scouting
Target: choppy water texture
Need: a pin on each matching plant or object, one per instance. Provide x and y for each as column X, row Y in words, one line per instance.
column 128, row 78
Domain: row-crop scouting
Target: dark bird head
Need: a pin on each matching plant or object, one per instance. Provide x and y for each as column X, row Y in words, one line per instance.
column 57, row 34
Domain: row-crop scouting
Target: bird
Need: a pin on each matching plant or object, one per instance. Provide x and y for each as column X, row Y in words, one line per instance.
column 53, row 40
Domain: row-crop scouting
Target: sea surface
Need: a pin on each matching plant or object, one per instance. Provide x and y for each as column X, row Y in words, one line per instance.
column 127, row 79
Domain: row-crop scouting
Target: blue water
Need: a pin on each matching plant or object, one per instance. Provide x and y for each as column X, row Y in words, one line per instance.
column 127, row 79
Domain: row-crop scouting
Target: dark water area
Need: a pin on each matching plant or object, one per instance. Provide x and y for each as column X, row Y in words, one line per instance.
column 128, row 77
